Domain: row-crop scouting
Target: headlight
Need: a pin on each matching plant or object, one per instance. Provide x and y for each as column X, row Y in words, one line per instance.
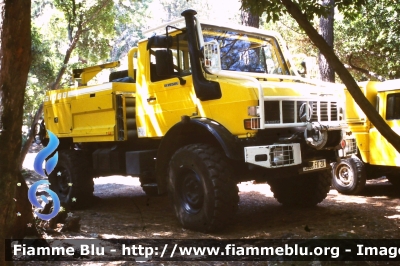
column 282, row 155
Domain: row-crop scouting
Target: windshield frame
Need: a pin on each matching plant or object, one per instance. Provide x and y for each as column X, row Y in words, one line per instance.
column 255, row 35
column 279, row 41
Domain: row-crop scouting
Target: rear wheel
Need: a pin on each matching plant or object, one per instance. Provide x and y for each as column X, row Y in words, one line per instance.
column 203, row 195
column 71, row 179
column 303, row 190
column 348, row 176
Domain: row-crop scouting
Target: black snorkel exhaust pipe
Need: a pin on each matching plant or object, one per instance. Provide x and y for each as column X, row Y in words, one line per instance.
column 205, row 90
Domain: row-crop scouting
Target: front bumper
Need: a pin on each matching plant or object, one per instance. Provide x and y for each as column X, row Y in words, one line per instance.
column 283, row 155
column 273, row 156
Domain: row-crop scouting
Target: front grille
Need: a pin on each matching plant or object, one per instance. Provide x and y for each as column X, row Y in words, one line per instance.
column 281, row 112
column 288, row 106
column 271, row 114
column 328, row 109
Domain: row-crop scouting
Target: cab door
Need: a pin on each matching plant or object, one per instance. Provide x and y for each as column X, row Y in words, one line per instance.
column 170, row 89
column 392, row 116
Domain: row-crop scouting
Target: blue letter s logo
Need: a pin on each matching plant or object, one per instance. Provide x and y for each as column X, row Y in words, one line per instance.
column 33, row 200
column 43, row 154
column 50, row 165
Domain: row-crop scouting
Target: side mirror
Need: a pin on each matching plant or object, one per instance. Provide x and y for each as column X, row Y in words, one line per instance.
column 303, row 64
column 159, row 41
column 212, row 56
column 164, row 63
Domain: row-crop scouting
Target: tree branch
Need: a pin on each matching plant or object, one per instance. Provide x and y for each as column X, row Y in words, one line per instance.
column 343, row 73
column 104, row 4
column 290, row 28
column 364, row 71
column 375, row 54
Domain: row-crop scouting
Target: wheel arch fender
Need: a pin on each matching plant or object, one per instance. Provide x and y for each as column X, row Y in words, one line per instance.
column 189, row 131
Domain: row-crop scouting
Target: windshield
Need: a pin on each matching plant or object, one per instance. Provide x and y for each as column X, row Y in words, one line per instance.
column 247, row 52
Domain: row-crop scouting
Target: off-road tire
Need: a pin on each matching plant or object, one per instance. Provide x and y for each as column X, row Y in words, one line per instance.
column 203, row 195
column 348, row 176
column 302, row 190
column 73, row 167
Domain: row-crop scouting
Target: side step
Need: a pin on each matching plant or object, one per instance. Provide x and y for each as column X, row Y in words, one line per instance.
column 150, row 185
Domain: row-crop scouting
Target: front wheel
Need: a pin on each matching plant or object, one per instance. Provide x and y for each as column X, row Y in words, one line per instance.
column 203, row 195
column 302, row 190
column 348, row 176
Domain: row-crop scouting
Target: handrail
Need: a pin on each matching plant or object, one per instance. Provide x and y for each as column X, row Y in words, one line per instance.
column 131, row 53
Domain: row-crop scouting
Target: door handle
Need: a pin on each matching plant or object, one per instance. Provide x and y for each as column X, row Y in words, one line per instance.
column 151, row 99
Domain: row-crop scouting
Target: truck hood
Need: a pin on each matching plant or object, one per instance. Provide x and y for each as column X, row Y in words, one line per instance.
column 281, row 85
column 300, row 88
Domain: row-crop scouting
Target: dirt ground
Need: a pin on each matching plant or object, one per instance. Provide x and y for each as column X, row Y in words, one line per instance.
column 124, row 211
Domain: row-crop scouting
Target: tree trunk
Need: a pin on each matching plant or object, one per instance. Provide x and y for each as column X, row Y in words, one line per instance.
column 344, row 74
column 326, row 31
column 15, row 59
column 249, row 19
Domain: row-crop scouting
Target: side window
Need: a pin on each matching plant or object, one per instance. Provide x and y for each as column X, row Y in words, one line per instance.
column 393, row 106
column 169, row 63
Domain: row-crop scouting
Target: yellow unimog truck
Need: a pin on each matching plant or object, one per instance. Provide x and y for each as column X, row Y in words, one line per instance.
column 200, row 108
column 376, row 157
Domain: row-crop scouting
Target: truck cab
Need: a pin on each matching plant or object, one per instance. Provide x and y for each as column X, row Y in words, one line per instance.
column 201, row 108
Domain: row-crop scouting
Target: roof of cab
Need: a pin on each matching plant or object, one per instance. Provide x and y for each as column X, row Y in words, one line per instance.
column 233, row 27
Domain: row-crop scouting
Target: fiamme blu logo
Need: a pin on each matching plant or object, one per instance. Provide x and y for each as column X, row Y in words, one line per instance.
column 49, row 166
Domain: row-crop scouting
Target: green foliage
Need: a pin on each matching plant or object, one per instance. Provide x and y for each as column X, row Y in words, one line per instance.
column 311, row 8
column 130, row 19
column 54, row 25
column 372, row 38
column 296, row 39
column 95, row 19
column 94, row 45
column 41, row 73
column 174, row 8
column 42, row 56
column 134, row 16
column 368, row 30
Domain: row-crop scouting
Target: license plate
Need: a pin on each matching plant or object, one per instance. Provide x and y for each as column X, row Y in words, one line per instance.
column 318, row 164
